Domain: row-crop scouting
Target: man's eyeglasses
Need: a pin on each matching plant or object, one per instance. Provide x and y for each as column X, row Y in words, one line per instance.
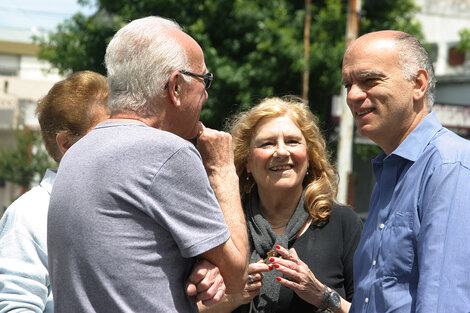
column 208, row 77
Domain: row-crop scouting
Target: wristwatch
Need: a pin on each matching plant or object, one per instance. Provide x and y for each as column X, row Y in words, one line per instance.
column 334, row 301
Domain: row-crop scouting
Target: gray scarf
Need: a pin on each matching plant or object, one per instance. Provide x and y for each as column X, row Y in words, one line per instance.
column 263, row 240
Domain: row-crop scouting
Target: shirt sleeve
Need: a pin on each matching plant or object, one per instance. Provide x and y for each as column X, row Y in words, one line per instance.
column 351, row 239
column 187, row 206
column 23, row 275
column 443, row 243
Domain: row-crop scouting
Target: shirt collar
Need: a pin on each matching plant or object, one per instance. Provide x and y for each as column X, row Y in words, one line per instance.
column 48, row 180
column 415, row 143
column 120, row 122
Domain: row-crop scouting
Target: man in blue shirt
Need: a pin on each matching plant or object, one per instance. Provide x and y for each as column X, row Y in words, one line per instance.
column 414, row 250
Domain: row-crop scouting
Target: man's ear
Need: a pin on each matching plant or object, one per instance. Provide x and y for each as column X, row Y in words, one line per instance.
column 421, row 84
column 63, row 142
column 174, row 88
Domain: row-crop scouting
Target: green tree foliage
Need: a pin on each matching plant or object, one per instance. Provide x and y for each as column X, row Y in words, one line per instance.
column 254, row 47
column 399, row 15
column 79, row 43
column 464, row 44
column 25, row 160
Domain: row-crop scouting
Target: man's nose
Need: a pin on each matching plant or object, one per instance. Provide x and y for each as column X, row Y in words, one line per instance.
column 355, row 93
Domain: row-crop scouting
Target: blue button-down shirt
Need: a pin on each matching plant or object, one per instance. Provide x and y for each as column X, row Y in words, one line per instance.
column 414, row 252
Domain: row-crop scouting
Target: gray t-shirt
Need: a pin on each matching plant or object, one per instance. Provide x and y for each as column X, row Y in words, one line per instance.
column 130, row 209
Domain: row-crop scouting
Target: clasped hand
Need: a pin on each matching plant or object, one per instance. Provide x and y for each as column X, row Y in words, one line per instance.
column 298, row 276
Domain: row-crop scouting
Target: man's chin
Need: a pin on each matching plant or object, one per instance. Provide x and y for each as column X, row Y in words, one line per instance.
column 363, row 128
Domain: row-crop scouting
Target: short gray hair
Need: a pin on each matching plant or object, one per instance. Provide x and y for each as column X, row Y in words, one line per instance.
column 139, row 60
column 412, row 57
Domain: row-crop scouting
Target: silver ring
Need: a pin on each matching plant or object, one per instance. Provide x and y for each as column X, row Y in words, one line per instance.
column 250, row 278
column 297, row 261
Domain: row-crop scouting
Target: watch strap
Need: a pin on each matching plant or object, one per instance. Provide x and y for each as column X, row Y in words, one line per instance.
column 324, row 302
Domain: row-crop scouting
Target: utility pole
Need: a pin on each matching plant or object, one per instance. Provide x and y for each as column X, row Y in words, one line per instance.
column 346, row 129
column 306, row 73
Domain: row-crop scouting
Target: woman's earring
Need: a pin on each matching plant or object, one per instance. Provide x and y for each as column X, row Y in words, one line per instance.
column 247, row 177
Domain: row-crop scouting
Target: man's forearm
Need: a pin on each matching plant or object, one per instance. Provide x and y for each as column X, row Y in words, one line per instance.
column 224, row 182
column 231, row 257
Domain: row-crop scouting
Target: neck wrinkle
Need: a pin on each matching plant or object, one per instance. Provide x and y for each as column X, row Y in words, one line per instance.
column 278, row 209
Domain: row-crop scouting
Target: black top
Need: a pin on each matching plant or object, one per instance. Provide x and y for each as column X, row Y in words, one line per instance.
column 328, row 251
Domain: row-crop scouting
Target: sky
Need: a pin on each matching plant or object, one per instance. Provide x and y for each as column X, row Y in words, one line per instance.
column 39, row 14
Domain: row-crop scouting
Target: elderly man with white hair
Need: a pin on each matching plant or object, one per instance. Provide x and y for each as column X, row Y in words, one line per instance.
column 135, row 202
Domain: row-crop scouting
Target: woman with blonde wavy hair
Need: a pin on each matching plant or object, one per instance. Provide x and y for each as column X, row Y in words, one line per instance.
column 302, row 241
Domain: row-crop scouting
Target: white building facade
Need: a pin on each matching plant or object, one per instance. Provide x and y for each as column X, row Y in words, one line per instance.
column 23, row 80
column 441, row 22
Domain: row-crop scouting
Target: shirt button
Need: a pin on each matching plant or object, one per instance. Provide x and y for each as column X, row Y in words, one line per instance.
column 374, row 262
column 382, row 226
column 366, row 300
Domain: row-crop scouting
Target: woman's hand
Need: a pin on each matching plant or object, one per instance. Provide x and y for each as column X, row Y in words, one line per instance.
column 254, row 282
column 298, row 277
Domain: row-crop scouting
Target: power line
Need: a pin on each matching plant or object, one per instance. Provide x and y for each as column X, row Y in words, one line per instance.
column 34, row 11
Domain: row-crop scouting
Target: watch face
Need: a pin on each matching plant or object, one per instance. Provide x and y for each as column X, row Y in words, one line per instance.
column 334, row 301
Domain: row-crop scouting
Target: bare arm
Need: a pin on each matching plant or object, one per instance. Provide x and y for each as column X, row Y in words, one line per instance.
column 231, row 257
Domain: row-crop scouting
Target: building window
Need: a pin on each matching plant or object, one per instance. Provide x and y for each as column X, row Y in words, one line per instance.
column 432, row 50
column 456, row 57
column 9, row 64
